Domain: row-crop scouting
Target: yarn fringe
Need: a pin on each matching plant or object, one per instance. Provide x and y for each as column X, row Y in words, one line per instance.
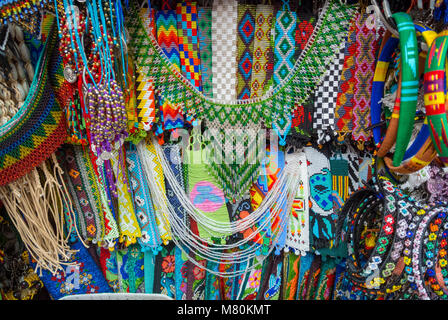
column 37, row 204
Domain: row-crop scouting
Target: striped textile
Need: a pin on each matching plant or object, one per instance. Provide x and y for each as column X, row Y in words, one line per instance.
column 340, row 176
column 166, row 22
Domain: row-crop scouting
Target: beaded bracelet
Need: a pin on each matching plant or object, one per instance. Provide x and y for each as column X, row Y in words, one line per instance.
column 435, row 99
column 434, row 269
column 441, row 261
column 421, row 152
column 356, row 272
column 416, row 262
column 345, row 213
column 356, row 267
column 363, row 208
column 386, row 260
column 392, row 270
column 429, row 256
column 411, row 290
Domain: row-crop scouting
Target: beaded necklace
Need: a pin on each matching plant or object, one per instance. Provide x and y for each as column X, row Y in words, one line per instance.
column 85, row 194
column 365, row 59
column 430, row 256
column 272, row 110
column 20, row 11
column 245, row 45
column 216, row 252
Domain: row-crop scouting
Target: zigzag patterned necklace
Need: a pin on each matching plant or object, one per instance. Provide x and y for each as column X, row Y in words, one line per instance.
column 271, row 111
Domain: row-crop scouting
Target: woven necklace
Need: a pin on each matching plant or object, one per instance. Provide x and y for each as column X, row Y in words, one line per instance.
column 273, row 110
column 364, row 71
column 344, row 103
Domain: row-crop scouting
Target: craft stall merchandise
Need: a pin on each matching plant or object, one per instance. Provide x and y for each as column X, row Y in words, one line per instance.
column 224, row 149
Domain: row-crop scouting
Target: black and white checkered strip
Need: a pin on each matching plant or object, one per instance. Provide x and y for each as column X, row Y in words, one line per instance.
column 353, row 171
column 325, row 99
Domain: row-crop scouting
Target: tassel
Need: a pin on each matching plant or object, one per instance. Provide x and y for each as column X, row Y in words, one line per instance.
column 36, row 208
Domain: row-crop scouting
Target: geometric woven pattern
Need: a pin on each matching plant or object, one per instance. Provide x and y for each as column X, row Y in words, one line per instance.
column 127, row 220
column 325, row 100
column 41, row 128
column 143, row 205
column 145, row 106
column 205, row 48
column 285, row 43
column 262, row 49
column 79, row 177
column 365, row 64
column 344, row 105
column 245, row 46
column 166, row 21
column 187, row 30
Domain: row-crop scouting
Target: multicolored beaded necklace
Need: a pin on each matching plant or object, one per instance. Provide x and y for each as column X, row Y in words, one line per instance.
column 273, row 110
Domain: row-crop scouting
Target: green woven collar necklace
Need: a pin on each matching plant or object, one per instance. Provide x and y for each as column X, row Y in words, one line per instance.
column 272, row 111
column 328, row 36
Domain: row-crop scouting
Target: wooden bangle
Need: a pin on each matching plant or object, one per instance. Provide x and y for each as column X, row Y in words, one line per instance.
column 421, row 152
column 409, row 83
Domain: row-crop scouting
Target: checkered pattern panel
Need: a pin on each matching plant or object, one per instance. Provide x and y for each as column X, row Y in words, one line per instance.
column 224, row 48
column 325, row 100
column 187, row 28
